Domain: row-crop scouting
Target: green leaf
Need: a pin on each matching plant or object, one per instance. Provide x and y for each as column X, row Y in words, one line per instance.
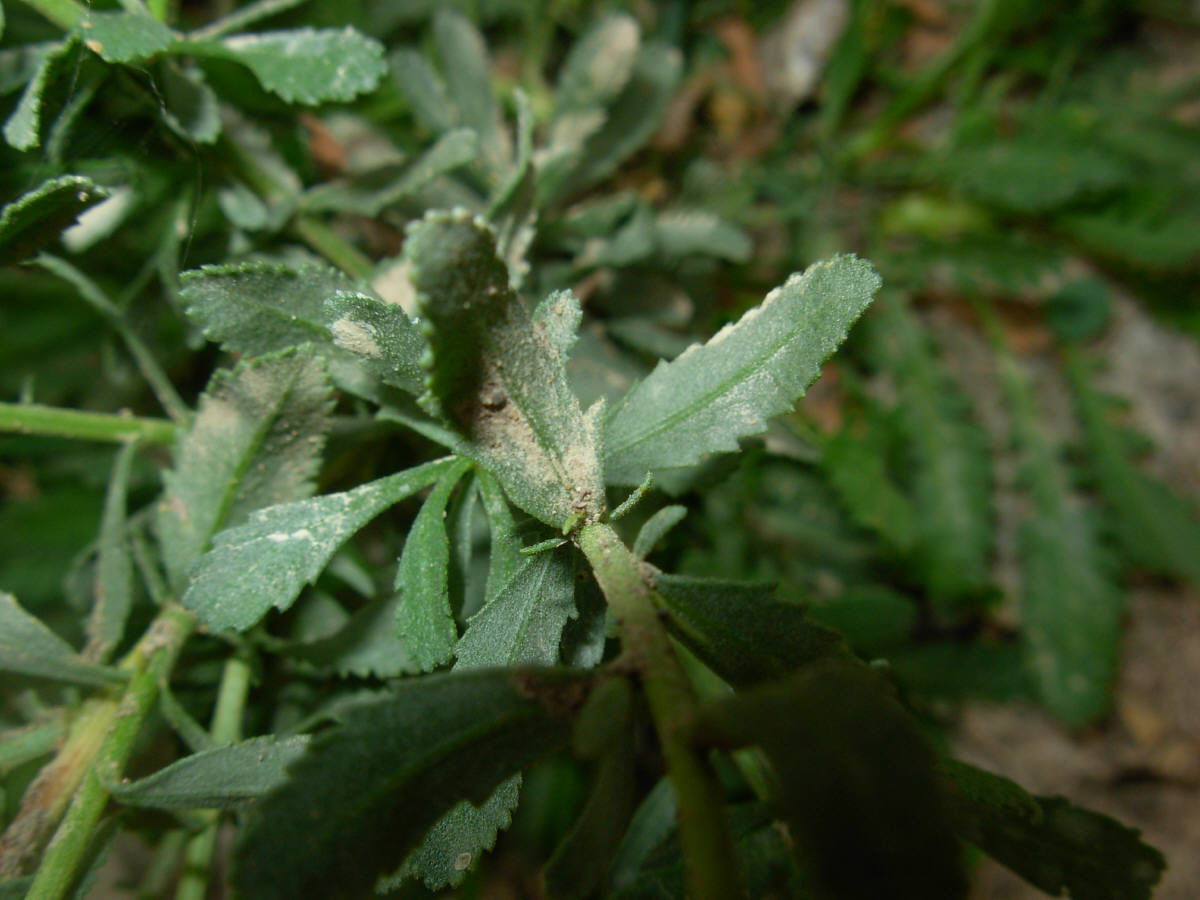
column 257, row 308
column 424, row 617
column 231, row 777
column 113, row 590
column 1056, row 846
column 366, row 792
column 368, row 645
column 857, row 470
column 855, row 783
column 688, row 232
column 740, row 630
column 873, row 618
column 420, row 84
column 711, row 395
column 632, row 118
column 189, row 106
column 374, row 192
column 497, row 374
column 379, row 333
column 656, row 528
column 124, row 36
column 1071, row 607
column 651, row 825
column 304, row 65
column 523, row 623
column 28, row 647
column 267, row 561
column 505, row 558
column 947, row 462
column 23, row 128
column 256, row 441
column 1156, row 527
column 39, row 216
column 464, row 58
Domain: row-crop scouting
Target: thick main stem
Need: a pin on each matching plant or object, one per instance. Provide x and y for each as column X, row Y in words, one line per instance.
column 111, row 729
column 710, row 859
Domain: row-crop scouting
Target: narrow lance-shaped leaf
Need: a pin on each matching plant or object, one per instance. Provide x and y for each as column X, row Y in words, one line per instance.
column 1156, row 527
column 420, row 84
column 113, row 589
column 497, row 373
column 464, row 59
column 230, row 777
column 304, row 65
column 741, row 630
column 255, row 441
column 27, row 647
column 711, row 395
column 366, row 792
column 40, row 215
column 947, row 461
column 1071, row 606
column 267, row 561
column 1060, row 848
column 423, row 615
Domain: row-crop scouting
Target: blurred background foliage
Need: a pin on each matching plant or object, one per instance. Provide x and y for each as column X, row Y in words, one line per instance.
column 1006, row 452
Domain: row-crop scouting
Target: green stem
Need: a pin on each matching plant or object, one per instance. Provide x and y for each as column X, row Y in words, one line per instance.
column 52, row 421
column 709, row 857
column 333, row 247
column 226, row 729
column 66, row 14
column 113, row 727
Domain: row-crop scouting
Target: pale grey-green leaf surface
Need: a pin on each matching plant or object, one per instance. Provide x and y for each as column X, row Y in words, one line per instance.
column 522, row 625
column 423, row 88
column 124, row 36
column 505, row 559
column 305, row 65
column 267, row 561
column 464, row 58
column 189, row 106
column 230, row 777
column 711, row 395
column 380, row 334
column 364, row 795
column 423, row 615
column 497, row 373
column 38, row 216
column 256, row 308
column 112, row 594
column 23, row 129
column 27, row 647
column 686, row 232
column 256, row 441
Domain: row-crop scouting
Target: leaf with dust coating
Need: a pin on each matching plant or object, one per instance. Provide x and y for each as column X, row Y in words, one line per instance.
column 423, row 615
column 230, row 777
column 267, row 561
column 256, row 308
column 497, row 373
column 28, row 647
column 305, row 65
column 380, row 334
column 39, row 216
column 124, row 36
column 711, row 395
column 256, row 441
column 392, row 770
column 524, row 622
